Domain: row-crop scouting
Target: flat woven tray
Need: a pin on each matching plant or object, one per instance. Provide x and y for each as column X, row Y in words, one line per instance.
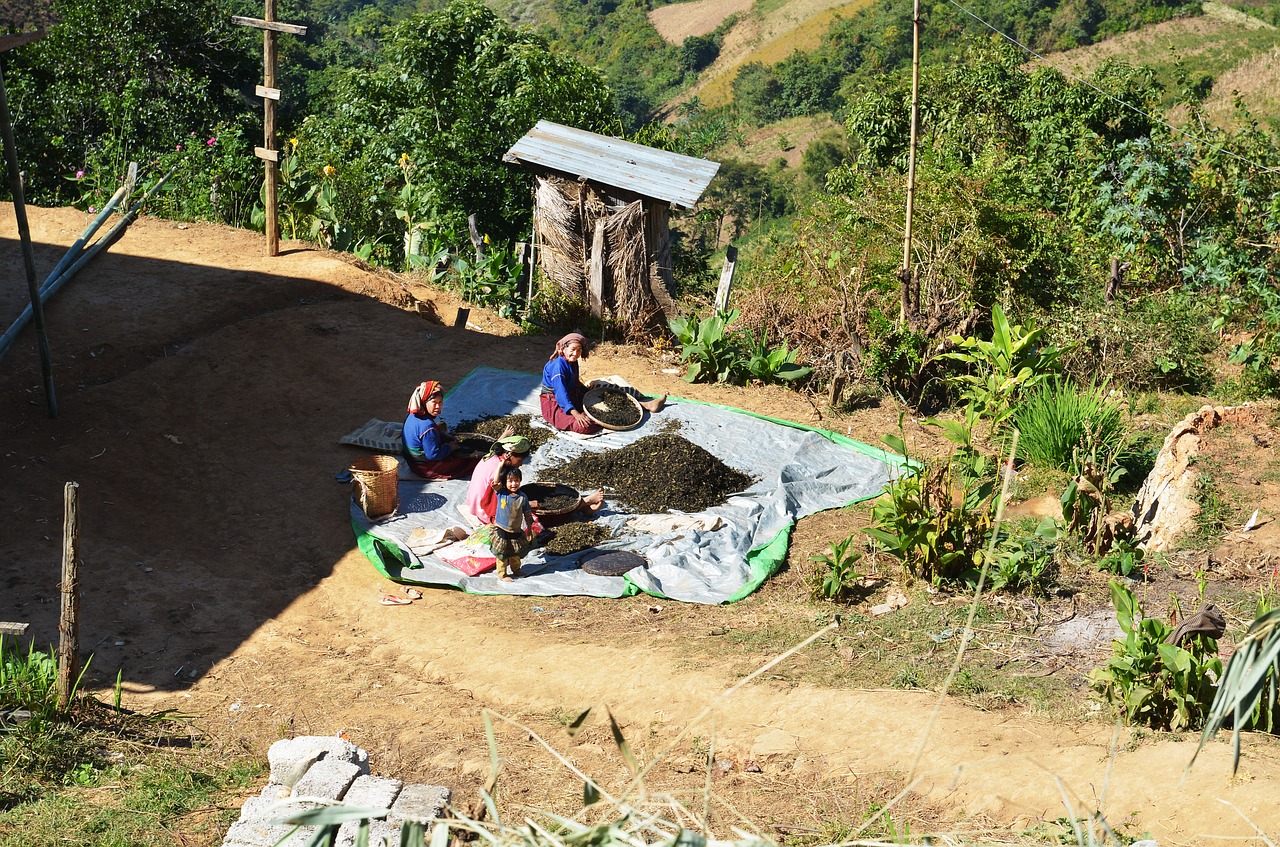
column 473, row 443
column 595, row 397
column 541, row 492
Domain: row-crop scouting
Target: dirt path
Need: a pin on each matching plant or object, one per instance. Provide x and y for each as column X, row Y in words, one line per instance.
column 202, row 387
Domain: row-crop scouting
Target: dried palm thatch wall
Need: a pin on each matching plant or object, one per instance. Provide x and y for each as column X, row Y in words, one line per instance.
column 624, row 234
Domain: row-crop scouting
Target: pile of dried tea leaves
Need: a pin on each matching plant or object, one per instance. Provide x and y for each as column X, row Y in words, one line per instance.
column 493, row 427
column 655, row 474
column 612, row 407
column 577, row 535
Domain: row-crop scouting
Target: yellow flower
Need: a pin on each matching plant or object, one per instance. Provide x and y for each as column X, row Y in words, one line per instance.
column 293, row 142
column 404, row 160
column 328, row 170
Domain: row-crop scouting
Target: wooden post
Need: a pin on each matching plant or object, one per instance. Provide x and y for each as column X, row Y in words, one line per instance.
column 523, row 282
column 595, row 275
column 726, row 278
column 1113, row 281
column 477, row 240
column 905, row 274
column 460, row 320
column 270, row 96
column 28, row 254
column 69, row 622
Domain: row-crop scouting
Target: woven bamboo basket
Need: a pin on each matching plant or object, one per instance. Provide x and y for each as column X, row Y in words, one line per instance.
column 596, row 395
column 374, row 484
column 541, row 491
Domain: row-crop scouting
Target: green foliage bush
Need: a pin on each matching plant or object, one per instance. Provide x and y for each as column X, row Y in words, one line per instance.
column 1152, row 343
column 918, row 523
column 1014, row 362
column 713, row 353
column 121, row 80
column 1150, row 682
column 836, row 570
column 450, row 92
column 1062, row 425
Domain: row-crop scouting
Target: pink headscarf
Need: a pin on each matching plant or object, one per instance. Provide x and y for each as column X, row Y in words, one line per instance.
column 569, row 339
column 424, row 392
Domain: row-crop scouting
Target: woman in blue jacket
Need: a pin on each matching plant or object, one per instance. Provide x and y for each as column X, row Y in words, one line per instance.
column 428, row 447
column 563, row 389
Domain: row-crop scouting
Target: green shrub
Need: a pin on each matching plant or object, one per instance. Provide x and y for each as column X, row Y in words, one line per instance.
column 918, row 523
column 1062, row 425
column 1014, row 361
column 1150, row 682
column 713, row 353
column 1155, row 343
column 837, row 569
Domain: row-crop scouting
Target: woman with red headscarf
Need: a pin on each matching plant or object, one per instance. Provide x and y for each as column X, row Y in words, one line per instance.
column 427, row 445
column 563, row 389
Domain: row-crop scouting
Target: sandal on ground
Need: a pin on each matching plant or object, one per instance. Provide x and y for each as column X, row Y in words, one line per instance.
column 413, row 593
column 392, row 600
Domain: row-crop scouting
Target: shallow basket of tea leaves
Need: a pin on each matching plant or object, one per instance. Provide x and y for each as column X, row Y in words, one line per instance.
column 552, row 499
column 473, row 444
column 612, row 408
column 493, row 427
column 574, row 536
column 655, row 474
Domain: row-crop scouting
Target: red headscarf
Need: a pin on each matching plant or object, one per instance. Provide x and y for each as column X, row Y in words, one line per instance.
column 424, row 392
column 568, row 339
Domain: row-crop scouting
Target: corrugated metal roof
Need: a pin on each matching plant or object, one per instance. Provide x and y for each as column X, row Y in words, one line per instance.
column 609, row 161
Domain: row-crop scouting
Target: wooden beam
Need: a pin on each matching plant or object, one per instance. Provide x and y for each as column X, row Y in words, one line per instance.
column 17, row 630
column 273, row 26
column 726, row 278
column 460, row 320
column 268, row 155
column 595, row 272
column 267, row 93
column 69, row 621
column 28, row 252
column 9, row 42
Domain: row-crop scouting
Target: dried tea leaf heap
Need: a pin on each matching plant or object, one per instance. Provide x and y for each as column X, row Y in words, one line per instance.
column 493, row 427
column 655, row 474
column 578, row 535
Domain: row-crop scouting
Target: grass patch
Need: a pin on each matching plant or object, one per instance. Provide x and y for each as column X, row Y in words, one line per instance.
column 96, row 774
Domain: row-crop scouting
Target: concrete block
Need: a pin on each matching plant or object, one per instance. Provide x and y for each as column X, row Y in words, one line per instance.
column 419, row 803
column 291, row 758
column 380, row 832
column 327, row 779
column 257, row 826
column 371, row 792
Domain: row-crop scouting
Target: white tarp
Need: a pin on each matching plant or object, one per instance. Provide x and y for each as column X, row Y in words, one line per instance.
column 799, row 471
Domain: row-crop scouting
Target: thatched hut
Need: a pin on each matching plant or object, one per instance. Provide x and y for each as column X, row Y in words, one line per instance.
column 600, row 216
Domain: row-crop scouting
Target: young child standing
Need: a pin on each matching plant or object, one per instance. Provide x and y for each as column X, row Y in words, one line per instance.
column 512, row 526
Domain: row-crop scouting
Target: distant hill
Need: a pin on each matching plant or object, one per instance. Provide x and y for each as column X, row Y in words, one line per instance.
column 1226, row 51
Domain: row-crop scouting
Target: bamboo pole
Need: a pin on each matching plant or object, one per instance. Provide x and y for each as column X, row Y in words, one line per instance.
column 28, row 255
column 69, row 621
column 905, row 273
column 52, row 284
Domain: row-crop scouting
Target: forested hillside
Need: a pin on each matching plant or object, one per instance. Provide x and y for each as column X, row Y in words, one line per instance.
column 1030, row 180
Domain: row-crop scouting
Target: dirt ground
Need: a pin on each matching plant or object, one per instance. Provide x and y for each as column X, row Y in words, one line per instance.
column 201, row 389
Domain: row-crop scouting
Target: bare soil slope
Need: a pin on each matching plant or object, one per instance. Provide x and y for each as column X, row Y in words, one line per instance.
column 202, row 387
